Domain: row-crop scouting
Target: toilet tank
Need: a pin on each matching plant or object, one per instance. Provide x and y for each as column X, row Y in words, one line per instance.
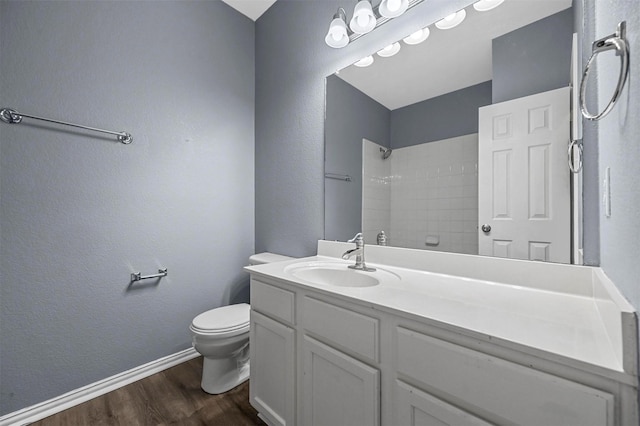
column 266, row 257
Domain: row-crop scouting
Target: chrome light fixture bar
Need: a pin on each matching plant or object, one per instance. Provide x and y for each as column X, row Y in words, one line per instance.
column 361, row 22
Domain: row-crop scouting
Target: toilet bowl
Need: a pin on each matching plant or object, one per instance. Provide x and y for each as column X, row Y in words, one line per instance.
column 221, row 336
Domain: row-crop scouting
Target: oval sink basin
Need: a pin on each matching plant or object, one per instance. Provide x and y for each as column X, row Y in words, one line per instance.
column 337, row 274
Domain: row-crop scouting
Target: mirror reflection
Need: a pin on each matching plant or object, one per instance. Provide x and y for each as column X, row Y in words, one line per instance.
column 459, row 142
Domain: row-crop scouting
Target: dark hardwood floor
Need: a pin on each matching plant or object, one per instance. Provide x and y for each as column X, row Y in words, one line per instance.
column 171, row 397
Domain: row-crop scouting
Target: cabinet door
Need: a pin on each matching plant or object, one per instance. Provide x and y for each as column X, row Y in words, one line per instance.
column 272, row 351
column 338, row 389
column 417, row 408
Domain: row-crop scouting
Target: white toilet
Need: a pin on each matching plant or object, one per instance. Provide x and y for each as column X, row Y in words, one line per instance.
column 221, row 336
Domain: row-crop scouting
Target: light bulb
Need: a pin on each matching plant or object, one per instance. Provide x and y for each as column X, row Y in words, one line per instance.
column 393, row 5
column 486, row 5
column 363, row 20
column 337, row 36
column 452, row 20
column 393, row 8
column 389, row 50
column 364, row 62
column 417, row 37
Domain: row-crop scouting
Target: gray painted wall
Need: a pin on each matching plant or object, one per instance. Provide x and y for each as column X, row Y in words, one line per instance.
column 443, row 117
column 80, row 212
column 351, row 116
column 292, row 62
column 619, row 148
column 533, row 59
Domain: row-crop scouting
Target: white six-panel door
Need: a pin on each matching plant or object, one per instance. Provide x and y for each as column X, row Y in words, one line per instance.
column 523, row 178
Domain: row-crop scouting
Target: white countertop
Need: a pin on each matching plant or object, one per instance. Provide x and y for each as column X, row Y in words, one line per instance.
column 560, row 323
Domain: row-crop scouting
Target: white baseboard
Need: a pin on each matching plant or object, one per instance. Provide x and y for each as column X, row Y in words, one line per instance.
column 83, row 394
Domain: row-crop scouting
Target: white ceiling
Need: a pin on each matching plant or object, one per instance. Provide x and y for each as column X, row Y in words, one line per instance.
column 449, row 59
column 251, row 8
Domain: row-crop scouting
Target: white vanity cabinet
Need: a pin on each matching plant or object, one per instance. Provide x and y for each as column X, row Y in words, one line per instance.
column 323, row 358
column 272, row 352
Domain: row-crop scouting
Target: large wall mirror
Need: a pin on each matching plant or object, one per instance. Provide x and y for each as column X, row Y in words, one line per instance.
column 459, row 143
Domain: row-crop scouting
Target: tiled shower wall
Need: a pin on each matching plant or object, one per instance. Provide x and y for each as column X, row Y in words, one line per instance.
column 432, row 190
column 376, row 192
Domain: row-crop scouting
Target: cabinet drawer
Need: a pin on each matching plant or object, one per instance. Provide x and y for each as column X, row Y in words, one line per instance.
column 273, row 301
column 511, row 392
column 350, row 330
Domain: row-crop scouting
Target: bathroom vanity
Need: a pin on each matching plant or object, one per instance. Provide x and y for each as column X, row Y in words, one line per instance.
column 438, row 338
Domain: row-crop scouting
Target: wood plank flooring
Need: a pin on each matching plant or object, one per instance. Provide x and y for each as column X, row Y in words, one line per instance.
column 171, row 397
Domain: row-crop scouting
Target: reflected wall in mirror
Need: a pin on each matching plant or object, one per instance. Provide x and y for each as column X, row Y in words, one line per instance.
column 406, row 129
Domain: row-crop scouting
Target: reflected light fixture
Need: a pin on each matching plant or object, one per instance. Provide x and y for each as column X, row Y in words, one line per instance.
column 393, row 8
column 485, row 5
column 337, row 36
column 417, row 37
column 452, row 20
column 364, row 62
column 363, row 20
column 390, row 50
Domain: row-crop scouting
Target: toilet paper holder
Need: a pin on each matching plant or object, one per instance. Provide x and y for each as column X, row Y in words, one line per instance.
column 137, row 276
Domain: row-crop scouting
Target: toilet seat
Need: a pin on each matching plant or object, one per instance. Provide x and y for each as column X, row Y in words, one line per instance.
column 225, row 321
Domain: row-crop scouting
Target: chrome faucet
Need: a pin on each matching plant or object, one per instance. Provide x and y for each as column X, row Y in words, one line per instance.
column 358, row 252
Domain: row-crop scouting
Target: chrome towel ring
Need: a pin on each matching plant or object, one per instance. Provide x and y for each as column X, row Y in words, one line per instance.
column 575, row 146
column 615, row 41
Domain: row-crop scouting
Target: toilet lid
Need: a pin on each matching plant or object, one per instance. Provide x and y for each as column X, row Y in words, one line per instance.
column 223, row 319
column 266, row 257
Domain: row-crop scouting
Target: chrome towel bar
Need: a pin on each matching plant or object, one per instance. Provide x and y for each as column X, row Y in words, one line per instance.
column 137, row 276
column 336, row 176
column 12, row 116
column 615, row 41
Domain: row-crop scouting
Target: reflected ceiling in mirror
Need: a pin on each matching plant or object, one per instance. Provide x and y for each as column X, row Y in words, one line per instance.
column 447, row 60
column 424, row 102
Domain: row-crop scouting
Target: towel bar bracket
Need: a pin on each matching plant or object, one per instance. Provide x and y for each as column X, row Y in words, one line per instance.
column 137, row 276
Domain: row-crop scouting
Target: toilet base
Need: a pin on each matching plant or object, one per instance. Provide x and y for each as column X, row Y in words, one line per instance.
column 222, row 375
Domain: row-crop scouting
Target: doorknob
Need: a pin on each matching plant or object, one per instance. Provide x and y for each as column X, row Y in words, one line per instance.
column 486, row 228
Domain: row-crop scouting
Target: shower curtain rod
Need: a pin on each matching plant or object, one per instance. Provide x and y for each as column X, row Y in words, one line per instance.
column 12, row 116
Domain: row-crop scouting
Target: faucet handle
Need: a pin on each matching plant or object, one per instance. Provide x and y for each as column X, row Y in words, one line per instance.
column 356, row 238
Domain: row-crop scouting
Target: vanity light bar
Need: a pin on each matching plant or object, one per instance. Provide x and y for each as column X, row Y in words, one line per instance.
column 340, row 34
